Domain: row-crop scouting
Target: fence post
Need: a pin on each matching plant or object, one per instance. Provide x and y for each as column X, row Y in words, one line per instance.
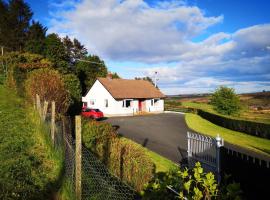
column 38, row 104
column 219, row 143
column 53, row 121
column 78, row 157
column 45, row 108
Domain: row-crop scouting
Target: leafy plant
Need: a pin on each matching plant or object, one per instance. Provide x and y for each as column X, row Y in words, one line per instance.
column 225, row 101
column 183, row 184
column 48, row 84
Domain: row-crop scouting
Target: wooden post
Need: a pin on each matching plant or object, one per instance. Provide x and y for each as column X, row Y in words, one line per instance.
column 45, row 108
column 53, row 121
column 38, row 104
column 78, row 156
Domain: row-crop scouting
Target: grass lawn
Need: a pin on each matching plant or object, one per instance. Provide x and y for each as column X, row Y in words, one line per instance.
column 29, row 166
column 203, row 126
column 162, row 164
column 245, row 113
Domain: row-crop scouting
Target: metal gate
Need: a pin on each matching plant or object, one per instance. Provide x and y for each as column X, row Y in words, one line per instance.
column 206, row 150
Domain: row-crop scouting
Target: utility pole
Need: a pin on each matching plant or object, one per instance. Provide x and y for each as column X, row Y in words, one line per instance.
column 2, row 50
column 155, row 79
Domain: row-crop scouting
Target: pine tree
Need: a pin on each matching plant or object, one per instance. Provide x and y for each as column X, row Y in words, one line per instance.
column 3, row 23
column 56, row 53
column 89, row 69
column 19, row 16
column 36, row 38
column 79, row 51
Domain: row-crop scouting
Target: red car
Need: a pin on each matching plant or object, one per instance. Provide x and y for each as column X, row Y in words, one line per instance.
column 92, row 113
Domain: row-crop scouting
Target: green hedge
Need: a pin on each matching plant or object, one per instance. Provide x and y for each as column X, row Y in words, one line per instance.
column 125, row 159
column 181, row 109
column 249, row 127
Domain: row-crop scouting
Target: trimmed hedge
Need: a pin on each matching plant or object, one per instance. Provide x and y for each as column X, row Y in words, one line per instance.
column 252, row 128
column 124, row 158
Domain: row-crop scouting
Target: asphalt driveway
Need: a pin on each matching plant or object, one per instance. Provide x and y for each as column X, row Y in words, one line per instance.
column 164, row 134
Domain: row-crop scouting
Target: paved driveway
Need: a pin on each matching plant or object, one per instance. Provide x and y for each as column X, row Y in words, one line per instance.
column 164, row 134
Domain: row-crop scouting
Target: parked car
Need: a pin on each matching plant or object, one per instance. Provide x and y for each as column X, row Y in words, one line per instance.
column 92, row 113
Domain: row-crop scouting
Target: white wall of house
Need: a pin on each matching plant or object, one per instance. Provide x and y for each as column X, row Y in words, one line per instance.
column 99, row 97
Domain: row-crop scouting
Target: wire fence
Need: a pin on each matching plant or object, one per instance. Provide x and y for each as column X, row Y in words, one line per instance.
column 96, row 180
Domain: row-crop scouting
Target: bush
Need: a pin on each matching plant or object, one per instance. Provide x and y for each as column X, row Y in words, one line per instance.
column 124, row 158
column 19, row 65
column 249, row 127
column 72, row 84
column 48, row 84
column 225, row 101
column 190, row 184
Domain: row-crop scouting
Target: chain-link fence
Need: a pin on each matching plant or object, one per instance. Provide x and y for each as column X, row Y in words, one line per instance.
column 96, row 180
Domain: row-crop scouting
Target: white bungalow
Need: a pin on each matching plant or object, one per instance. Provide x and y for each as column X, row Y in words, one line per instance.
column 116, row 97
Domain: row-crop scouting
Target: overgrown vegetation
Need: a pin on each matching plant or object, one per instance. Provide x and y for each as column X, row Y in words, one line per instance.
column 29, row 166
column 48, row 84
column 225, row 101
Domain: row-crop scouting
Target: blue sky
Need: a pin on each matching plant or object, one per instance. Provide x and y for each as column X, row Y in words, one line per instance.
column 194, row 45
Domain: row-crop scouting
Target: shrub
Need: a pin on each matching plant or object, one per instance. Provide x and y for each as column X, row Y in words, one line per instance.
column 124, row 158
column 48, row 84
column 19, row 65
column 72, row 84
column 189, row 184
column 225, row 101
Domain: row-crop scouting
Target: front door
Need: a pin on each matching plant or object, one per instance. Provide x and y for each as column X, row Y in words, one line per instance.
column 140, row 105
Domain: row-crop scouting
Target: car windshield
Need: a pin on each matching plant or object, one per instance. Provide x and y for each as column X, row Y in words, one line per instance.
column 87, row 110
column 96, row 110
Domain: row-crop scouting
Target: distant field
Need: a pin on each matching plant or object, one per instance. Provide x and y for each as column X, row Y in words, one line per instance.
column 255, row 107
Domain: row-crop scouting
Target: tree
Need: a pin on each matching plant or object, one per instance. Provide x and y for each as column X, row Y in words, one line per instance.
column 18, row 18
column 88, row 71
column 36, row 35
column 147, row 78
column 55, row 51
column 3, row 23
column 225, row 101
column 72, row 84
column 79, row 51
column 48, row 84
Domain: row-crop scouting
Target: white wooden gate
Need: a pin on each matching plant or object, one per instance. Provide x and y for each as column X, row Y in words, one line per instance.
column 206, row 150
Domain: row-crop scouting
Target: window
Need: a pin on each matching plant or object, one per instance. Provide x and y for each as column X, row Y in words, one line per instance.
column 127, row 103
column 92, row 102
column 154, row 102
column 84, row 104
column 106, row 103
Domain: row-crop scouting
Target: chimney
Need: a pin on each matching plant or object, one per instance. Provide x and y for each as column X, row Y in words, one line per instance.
column 109, row 76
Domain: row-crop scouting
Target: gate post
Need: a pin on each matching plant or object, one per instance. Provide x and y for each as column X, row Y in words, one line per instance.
column 219, row 143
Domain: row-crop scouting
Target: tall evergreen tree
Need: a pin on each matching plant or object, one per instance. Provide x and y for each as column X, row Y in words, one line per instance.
column 89, row 69
column 79, row 50
column 3, row 23
column 55, row 52
column 68, row 44
column 19, row 16
column 36, row 38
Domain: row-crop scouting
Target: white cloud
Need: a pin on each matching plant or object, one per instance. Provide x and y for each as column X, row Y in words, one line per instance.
column 132, row 30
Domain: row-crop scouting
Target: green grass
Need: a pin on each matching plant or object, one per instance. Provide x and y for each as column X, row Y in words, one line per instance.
column 29, row 166
column 252, row 143
column 162, row 164
column 245, row 113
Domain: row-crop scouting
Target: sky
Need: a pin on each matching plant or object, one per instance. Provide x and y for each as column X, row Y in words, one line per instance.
column 194, row 46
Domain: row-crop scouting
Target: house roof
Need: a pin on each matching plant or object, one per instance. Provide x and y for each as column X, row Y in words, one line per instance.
column 124, row 88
